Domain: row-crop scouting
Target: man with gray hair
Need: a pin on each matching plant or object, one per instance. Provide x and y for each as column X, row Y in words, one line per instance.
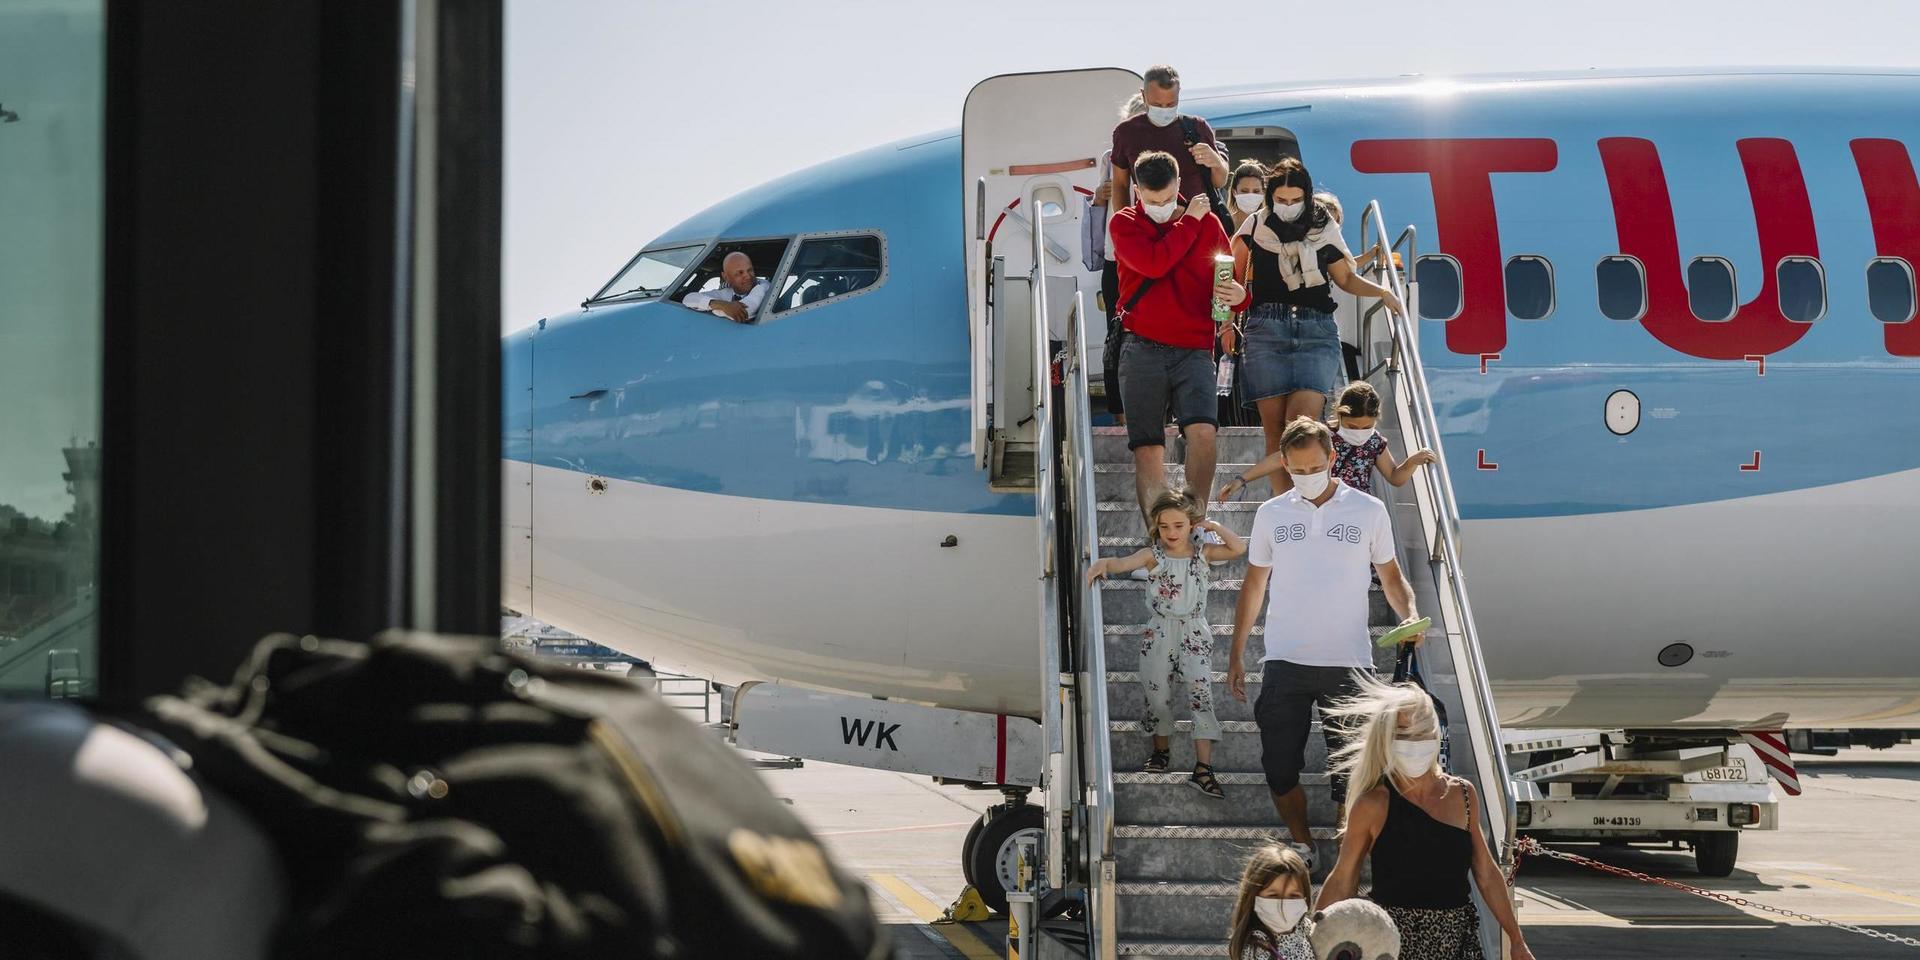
column 740, row 293
column 1190, row 140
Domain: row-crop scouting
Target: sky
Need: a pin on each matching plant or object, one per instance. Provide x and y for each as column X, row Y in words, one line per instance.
column 623, row 117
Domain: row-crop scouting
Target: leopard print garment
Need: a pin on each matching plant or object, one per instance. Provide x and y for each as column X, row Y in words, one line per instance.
column 1438, row 934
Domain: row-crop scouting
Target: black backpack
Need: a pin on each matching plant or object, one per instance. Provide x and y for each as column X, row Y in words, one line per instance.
column 433, row 796
column 1191, row 131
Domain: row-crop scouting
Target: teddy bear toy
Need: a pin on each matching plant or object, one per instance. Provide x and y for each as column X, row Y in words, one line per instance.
column 1355, row 930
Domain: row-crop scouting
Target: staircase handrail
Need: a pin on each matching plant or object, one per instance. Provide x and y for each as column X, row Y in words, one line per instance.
column 1443, row 530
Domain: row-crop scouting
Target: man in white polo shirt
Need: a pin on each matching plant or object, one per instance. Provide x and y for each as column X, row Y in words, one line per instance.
column 1308, row 553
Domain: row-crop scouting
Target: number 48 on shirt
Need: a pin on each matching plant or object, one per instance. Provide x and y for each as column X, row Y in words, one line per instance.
column 1348, row 532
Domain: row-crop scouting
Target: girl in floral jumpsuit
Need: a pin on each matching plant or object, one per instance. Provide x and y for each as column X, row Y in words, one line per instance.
column 1176, row 651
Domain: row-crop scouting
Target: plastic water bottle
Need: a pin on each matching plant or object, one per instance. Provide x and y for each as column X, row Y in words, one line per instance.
column 1223, row 380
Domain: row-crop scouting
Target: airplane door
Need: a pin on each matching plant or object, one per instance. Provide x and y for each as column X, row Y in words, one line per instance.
column 516, row 472
column 1022, row 133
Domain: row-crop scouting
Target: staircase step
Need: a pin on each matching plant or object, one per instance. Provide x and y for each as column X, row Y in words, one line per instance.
column 1126, row 701
column 1240, row 445
column 1181, row 853
column 1146, row 799
column 1153, row 949
column 1238, row 749
column 1233, row 445
column 1175, row 910
column 1114, row 481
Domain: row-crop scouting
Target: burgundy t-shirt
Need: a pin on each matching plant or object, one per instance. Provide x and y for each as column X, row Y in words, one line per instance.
column 1136, row 135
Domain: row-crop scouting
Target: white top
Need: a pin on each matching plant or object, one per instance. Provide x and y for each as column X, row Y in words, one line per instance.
column 703, row 301
column 1317, row 594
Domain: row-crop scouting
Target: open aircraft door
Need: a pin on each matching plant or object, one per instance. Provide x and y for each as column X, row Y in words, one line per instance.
column 1028, row 139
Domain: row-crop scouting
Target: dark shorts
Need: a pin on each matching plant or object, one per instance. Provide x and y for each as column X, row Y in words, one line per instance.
column 1158, row 381
column 1288, row 349
column 1284, row 712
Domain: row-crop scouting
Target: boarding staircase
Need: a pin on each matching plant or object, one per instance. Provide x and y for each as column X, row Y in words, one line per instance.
column 1154, row 860
column 1178, row 852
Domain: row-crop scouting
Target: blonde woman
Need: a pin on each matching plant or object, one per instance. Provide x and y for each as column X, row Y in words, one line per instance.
column 1418, row 824
column 1270, row 915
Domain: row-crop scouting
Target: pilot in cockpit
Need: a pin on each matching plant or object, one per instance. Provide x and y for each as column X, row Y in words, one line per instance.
column 739, row 295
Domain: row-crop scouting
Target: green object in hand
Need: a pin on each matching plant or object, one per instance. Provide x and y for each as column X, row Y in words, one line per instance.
column 1222, row 270
column 1403, row 632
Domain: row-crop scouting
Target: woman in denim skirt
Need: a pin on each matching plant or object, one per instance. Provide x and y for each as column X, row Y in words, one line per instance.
column 1288, row 255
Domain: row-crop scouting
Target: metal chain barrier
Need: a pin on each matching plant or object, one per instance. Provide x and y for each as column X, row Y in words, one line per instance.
column 1528, row 846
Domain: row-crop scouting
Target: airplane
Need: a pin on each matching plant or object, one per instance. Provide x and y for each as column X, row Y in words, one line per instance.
column 1667, row 318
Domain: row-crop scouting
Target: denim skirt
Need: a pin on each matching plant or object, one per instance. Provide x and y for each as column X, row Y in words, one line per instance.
column 1288, row 349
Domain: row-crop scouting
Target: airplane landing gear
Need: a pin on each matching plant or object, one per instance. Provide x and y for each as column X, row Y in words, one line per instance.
column 987, row 855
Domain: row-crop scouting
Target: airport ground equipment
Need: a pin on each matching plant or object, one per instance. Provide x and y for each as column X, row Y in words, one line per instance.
column 1619, row 787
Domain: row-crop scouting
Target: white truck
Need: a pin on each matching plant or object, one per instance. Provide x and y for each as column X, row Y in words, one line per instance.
column 1629, row 787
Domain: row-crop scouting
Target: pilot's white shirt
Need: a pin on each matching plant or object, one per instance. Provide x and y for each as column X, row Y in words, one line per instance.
column 752, row 301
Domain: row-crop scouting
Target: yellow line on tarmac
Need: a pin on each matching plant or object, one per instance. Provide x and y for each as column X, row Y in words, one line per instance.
column 962, row 939
column 1855, row 888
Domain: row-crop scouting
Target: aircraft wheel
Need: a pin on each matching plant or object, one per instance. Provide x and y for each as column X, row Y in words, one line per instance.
column 1714, row 852
column 993, row 854
column 966, row 850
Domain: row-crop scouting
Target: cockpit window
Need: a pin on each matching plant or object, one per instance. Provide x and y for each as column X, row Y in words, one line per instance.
column 651, row 273
column 828, row 268
column 766, row 255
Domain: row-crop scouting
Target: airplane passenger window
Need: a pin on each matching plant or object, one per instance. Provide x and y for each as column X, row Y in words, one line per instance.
column 1622, row 285
column 1710, row 289
column 1803, row 289
column 1439, row 279
column 827, row 268
column 1529, row 288
column 650, row 273
column 1890, row 290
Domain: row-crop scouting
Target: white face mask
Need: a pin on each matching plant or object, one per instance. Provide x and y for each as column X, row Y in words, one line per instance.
column 1289, row 211
column 1160, row 212
column 1312, row 485
column 1357, row 438
column 1413, row 758
column 1247, row 202
column 1161, row 116
column 1279, row 915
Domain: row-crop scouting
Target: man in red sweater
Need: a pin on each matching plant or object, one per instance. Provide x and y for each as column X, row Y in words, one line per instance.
column 1164, row 245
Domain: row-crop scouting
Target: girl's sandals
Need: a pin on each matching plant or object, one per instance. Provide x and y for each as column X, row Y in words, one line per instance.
column 1158, row 762
column 1204, row 781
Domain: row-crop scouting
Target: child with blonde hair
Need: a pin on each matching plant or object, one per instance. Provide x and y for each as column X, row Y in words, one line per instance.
column 1176, row 650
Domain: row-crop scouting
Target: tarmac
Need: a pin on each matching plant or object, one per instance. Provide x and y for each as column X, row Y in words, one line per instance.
column 1847, row 851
